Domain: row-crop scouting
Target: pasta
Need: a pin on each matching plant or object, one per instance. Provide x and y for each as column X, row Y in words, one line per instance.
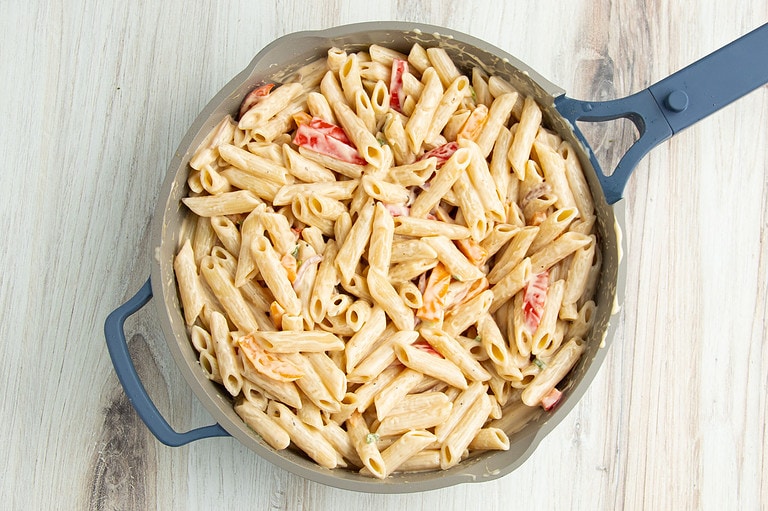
column 390, row 269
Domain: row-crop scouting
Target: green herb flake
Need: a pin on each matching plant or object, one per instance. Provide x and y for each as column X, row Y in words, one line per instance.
column 478, row 338
column 371, row 438
column 474, row 94
column 295, row 252
column 539, row 363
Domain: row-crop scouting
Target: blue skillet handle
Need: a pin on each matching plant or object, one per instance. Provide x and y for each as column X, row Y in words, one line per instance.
column 129, row 378
column 674, row 103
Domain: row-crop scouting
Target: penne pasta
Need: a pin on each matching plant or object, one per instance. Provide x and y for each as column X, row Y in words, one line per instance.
column 389, row 262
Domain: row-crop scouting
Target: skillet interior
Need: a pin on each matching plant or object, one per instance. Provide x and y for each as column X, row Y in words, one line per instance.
column 275, row 63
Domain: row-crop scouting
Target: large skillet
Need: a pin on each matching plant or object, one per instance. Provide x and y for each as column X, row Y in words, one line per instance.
column 658, row 112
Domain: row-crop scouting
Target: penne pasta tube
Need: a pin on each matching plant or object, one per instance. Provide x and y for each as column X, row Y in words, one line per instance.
column 553, row 372
column 512, row 282
column 490, row 439
column 207, row 152
column 305, row 169
column 409, row 270
column 190, row 287
column 361, row 343
column 441, row 183
column 339, row 439
column 254, row 164
column 576, row 181
column 338, row 190
column 471, row 207
column 428, row 459
column 386, row 297
column 275, row 275
column 444, row 66
column 418, row 123
column 228, row 295
column 294, row 342
column 454, row 93
column 312, row 385
column 389, row 193
column 394, row 132
column 283, row 391
column 522, row 143
column 318, row 107
column 397, row 424
column 350, row 252
column 266, row 427
column 583, row 322
column 366, row 449
column 558, row 250
column 546, row 330
column 333, row 378
column 262, row 189
column 227, row 232
column 452, row 258
column 270, row 105
column 380, row 245
column 229, row 203
column 413, row 174
column 391, row 395
column 431, row 365
column 420, row 227
column 461, row 436
column 229, row 364
column 367, row 145
column 452, row 350
column 305, row 437
column 349, row 78
column 552, row 227
column 381, row 357
column 498, row 115
column 408, row 249
column 553, row 166
column 461, row 318
column 405, row 448
column 576, row 280
column 513, row 254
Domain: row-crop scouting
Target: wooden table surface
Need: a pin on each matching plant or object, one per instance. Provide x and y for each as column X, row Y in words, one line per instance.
column 94, row 102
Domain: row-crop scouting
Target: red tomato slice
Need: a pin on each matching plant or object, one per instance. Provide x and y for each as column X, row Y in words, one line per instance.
column 329, row 129
column 396, row 96
column 443, row 153
column 321, row 141
column 551, row 399
column 533, row 300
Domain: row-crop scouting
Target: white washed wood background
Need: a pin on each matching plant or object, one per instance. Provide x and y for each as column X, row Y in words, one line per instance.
column 94, row 100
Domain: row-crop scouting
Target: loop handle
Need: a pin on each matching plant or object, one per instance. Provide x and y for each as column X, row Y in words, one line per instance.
column 129, row 378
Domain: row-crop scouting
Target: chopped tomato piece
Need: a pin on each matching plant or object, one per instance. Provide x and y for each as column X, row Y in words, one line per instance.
column 533, row 300
column 434, row 295
column 254, row 97
column 327, row 139
column 268, row 364
column 472, row 249
column 443, row 153
column 290, row 265
column 549, row 401
column 301, row 118
column 474, row 123
column 276, row 313
column 396, row 96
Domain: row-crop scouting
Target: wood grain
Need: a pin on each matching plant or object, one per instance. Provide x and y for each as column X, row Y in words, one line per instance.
column 95, row 100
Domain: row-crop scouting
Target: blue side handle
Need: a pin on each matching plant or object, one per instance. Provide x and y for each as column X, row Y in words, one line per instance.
column 674, row 103
column 129, row 378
